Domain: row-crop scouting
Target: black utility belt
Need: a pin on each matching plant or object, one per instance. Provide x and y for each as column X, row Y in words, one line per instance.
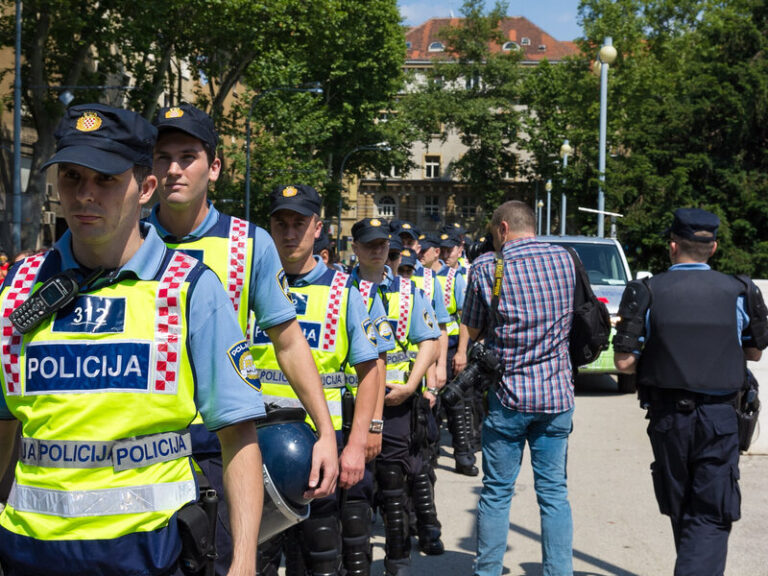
column 686, row 401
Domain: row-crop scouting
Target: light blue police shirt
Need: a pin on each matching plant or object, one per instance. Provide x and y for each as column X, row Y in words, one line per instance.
column 266, row 299
column 222, row 396
column 361, row 348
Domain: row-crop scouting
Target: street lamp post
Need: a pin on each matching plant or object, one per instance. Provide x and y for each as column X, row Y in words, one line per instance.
column 539, row 209
column 548, row 188
column 606, row 57
column 313, row 88
column 16, row 231
column 381, row 146
column 565, row 150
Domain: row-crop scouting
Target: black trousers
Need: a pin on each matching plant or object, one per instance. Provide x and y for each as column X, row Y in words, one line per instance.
column 695, row 478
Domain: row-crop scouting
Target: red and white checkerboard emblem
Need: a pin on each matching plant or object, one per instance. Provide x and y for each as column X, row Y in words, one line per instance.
column 331, row 326
column 365, row 287
column 10, row 338
column 168, row 323
column 401, row 333
column 449, row 286
column 428, row 284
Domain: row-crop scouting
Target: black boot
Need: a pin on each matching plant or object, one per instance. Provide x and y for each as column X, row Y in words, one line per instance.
column 428, row 526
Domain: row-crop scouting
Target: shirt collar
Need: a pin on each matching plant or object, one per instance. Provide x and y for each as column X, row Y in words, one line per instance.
column 313, row 275
column 690, row 266
column 144, row 264
column 208, row 222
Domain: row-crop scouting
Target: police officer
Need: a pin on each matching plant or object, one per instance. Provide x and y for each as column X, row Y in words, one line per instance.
column 687, row 332
column 244, row 257
column 412, row 321
column 461, row 421
column 336, row 324
column 105, row 386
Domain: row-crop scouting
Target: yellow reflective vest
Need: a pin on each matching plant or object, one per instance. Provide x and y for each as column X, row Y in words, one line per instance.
column 399, row 311
column 103, row 412
column 321, row 309
column 447, row 279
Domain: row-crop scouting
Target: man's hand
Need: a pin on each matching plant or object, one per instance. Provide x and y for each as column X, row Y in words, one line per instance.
column 372, row 446
column 431, row 397
column 325, row 468
column 459, row 361
column 352, row 465
column 397, row 394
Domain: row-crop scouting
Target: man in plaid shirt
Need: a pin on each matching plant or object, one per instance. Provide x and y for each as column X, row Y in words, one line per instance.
column 528, row 331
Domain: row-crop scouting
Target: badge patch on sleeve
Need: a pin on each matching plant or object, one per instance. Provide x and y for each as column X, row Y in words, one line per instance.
column 240, row 355
column 283, row 281
column 384, row 328
column 370, row 331
column 428, row 319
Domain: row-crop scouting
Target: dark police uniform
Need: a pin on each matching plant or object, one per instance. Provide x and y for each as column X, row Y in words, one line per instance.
column 689, row 326
column 413, row 321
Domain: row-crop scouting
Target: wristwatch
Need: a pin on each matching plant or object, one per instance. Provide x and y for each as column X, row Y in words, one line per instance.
column 376, row 426
column 434, row 391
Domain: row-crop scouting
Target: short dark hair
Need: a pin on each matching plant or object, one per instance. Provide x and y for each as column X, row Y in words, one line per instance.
column 141, row 172
column 698, row 251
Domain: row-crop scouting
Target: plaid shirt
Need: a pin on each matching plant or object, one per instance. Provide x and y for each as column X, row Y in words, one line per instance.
column 533, row 322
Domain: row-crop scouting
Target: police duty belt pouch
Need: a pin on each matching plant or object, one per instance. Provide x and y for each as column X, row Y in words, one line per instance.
column 591, row 327
column 197, row 528
column 748, row 412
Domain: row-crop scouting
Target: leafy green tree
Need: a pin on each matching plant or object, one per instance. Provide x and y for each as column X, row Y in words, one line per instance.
column 474, row 94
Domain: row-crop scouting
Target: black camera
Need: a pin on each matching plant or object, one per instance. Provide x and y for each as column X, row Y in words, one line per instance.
column 483, row 367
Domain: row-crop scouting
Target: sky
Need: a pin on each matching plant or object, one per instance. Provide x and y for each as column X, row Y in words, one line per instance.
column 555, row 17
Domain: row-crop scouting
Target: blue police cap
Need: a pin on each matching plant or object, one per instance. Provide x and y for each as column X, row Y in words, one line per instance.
column 191, row 120
column 370, row 229
column 429, row 240
column 408, row 258
column 105, row 139
column 695, row 224
column 323, row 242
column 399, row 227
column 395, row 244
column 296, row 197
column 448, row 240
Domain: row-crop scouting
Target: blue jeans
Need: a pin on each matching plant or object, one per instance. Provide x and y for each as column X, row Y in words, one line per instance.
column 505, row 433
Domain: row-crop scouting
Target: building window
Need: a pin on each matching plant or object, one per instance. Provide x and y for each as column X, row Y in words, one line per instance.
column 510, row 46
column 432, row 206
column 431, row 166
column 525, row 41
column 408, row 45
column 466, row 208
column 542, row 47
column 386, row 207
column 436, row 47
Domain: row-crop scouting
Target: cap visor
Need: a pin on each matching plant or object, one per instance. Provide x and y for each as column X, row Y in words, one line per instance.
column 96, row 159
column 371, row 235
column 293, row 207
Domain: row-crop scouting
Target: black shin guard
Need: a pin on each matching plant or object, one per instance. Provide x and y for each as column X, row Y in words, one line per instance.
column 321, row 538
column 426, row 513
column 356, row 537
column 391, row 480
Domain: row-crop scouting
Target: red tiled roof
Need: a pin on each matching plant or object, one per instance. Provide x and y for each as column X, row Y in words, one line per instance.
column 513, row 28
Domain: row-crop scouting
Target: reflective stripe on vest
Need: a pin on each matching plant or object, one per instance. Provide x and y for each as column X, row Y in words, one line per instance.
column 168, row 322
column 428, row 285
column 329, row 379
column 365, row 287
column 332, row 315
column 449, row 286
column 10, row 339
column 401, row 333
column 238, row 251
column 121, row 454
column 107, row 502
